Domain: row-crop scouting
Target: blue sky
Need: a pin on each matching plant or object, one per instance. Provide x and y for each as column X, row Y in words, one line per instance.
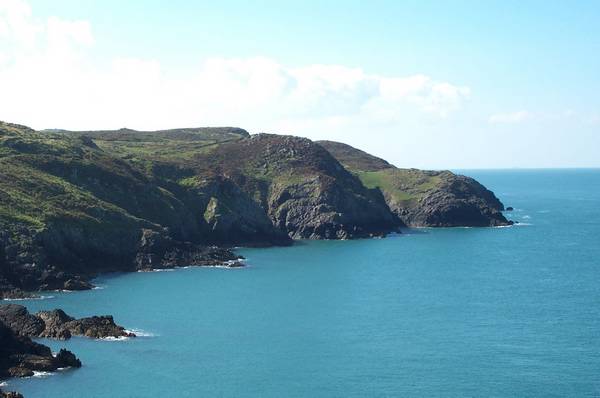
column 423, row 84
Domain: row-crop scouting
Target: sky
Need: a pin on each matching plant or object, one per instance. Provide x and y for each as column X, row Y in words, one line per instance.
column 426, row 84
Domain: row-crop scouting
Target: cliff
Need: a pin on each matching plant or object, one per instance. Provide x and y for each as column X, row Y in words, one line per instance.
column 76, row 204
column 423, row 198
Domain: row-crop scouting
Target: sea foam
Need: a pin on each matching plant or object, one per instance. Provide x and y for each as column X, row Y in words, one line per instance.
column 140, row 333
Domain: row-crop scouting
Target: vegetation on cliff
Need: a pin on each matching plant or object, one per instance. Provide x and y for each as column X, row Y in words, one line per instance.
column 422, row 198
column 75, row 204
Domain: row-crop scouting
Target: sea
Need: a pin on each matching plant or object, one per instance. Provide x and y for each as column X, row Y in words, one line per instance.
column 451, row 312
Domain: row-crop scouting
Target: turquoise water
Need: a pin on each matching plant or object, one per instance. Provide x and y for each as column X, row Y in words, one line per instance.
column 494, row 312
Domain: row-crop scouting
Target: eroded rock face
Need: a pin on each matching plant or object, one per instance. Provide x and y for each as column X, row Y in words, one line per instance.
column 305, row 192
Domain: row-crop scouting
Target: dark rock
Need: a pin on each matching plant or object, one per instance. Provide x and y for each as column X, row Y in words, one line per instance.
column 77, row 284
column 13, row 293
column 10, row 394
column 54, row 324
column 57, row 324
column 66, row 359
column 157, row 251
column 20, row 357
column 96, row 327
column 509, row 208
column 20, row 320
column 20, row 371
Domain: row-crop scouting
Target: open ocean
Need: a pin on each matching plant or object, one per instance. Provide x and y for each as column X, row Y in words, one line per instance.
column 462, row 312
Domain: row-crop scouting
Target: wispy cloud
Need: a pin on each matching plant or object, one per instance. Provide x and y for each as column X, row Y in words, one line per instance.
column 51, row 79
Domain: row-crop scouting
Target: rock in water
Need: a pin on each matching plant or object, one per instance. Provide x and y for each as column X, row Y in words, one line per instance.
column 20, row 357
column 96, row 327
column 57, row 324
column 67, row 359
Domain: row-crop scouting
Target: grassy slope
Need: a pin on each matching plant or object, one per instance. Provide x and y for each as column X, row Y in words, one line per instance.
column 172, row 146
column 403, row 186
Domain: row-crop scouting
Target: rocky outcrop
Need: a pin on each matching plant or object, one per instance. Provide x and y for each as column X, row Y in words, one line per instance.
column 455, row 201
column 57, row 324
column 423, row 198
column 62, row 326
column 21, row 357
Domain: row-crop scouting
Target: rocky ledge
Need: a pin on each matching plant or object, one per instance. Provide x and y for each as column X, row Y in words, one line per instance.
column 56, row 324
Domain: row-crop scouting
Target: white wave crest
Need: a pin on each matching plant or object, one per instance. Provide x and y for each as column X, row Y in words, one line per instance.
column 112, row 338
column 157, row 270
column 29, row 298
column 140, row 333
column 41, row 374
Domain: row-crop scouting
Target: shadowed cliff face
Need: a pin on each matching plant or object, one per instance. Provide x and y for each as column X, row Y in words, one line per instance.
column 423, row 198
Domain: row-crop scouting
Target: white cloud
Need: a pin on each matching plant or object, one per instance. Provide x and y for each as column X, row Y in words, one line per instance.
column 48, row 79
column 513, row 117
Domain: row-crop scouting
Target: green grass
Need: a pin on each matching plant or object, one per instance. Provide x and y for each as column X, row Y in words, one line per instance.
column 402, row 185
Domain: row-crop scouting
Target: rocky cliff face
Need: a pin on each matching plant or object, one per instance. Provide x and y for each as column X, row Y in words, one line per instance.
column 424, row 198
column 303, row 190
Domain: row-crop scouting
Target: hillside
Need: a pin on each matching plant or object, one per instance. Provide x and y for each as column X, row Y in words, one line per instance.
column 76, row 204
column 423, row 198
